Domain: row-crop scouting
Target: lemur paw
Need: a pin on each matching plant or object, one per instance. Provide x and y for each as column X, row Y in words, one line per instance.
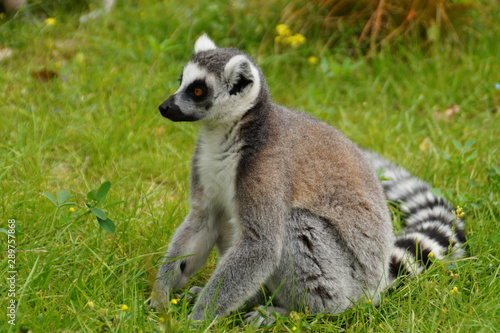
column 193, row 293
column 159, row 299
column 263, row 316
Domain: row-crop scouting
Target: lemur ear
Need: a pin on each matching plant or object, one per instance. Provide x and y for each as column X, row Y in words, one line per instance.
column 204, row 43
column 238, row 74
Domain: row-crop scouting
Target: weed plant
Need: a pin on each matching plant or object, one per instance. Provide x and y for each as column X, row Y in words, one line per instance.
column 82, row 141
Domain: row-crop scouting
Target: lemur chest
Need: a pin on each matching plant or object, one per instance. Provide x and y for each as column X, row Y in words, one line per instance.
column 217, row 168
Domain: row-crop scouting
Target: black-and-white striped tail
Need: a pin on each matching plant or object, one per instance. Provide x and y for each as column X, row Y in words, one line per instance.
column 431, row 225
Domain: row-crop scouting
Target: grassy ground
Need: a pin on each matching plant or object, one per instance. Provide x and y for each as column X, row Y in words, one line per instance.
column 96, row 120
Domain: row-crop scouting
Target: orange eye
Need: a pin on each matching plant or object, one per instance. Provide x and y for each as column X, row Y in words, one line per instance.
column 198, row 92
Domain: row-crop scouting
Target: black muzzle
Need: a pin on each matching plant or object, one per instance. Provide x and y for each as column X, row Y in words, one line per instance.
column 170, row 110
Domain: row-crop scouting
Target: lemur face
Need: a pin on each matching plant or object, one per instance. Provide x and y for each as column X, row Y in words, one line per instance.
column 217, row 86
column 194, row 98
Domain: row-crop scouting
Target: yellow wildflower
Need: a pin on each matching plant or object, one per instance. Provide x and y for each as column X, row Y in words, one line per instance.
column 124, row 307
column 312, row 60
column 369, row 301
column 458, row 212
column 161, row 319
column 50, row 21
column 283, row 30
column 286, row 37
column 430, row 255
column 454, row 290
column 175, row 301
column 296, row 40
column 72, row 209
column 294, row 328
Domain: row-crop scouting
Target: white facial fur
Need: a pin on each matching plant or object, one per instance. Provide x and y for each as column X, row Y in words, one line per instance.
column 191, row 73
column 226, row 108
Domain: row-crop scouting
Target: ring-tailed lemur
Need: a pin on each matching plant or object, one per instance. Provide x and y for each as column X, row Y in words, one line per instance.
column 291, row 204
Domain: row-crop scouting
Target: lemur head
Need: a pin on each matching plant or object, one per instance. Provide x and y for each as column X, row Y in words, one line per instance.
column 217, row 85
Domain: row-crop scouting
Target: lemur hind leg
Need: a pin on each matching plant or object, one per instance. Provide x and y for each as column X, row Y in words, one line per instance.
column 317, row 271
